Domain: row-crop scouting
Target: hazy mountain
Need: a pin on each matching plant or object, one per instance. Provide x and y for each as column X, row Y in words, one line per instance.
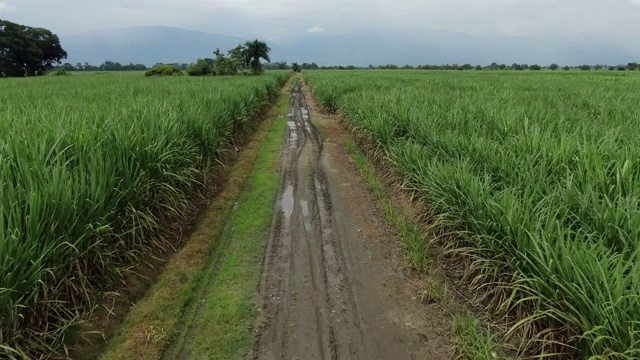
column 146, row 45
column 149, row 45
column 442, row 47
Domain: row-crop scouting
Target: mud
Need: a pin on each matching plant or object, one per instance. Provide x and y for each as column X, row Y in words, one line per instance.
column 326, row 290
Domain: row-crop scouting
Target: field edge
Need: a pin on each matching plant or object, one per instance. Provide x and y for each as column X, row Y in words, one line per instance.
column 155, row 319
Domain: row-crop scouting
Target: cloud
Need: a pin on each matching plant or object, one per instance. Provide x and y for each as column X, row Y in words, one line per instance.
column 4, row 7
column 278, row 20
column 316, row 29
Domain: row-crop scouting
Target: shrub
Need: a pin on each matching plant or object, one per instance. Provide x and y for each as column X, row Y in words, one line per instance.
column 61, row 72
column 163, row 70
column 200, row 68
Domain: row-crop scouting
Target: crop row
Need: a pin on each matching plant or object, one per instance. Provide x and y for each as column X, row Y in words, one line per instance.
column 538, row 174
column 95, row 174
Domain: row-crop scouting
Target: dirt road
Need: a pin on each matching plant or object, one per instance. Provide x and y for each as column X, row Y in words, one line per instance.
column 326, row 291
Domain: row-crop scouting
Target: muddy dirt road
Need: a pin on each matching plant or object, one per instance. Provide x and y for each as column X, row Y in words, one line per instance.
column 325, row 291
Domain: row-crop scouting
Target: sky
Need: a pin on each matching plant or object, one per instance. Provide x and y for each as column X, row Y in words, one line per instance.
column 288, row 20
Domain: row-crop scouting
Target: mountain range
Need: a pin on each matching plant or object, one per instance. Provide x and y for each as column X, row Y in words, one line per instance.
column 153, row 44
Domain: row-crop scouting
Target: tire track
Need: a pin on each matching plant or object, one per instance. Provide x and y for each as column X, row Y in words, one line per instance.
column 309, row 304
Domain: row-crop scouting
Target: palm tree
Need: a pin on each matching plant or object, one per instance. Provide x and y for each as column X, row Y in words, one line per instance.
column 256, row 50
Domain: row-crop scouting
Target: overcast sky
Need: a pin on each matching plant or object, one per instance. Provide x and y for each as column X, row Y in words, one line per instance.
column 282, row 20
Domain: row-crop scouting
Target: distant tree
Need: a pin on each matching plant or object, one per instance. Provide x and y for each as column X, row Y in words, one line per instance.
column 535, row 67
column 254, row 51
column 466, row 67
column 88, row 67
column 633, row 66
column 516, row 66
column 554, row 66
column 565, row 68
column 494, row 66
column 621, row 68
column 114, row 66
column 26, row 50
column 611, row 68
column 278, row 65
column 598, row 67
column 200, row 68
column 584, row 67
column 503, row 66
column 478, row 67
column 210, row 61
column 224, row 65
column 239, row 55
column 407, row 67
column 68, row 67
column 296, row 67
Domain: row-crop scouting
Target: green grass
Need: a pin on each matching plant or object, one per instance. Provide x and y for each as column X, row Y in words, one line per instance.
column 219, row 326
column 473, row 340
column 94, row 170
column 413, row 240
column 538, row 174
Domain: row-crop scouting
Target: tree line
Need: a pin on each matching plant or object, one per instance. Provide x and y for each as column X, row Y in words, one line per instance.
column 105, row 66
column 32, row 51
column 632, row 66
column 283, row 65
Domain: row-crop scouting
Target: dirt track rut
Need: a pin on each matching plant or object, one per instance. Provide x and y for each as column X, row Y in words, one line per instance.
column 321, row 296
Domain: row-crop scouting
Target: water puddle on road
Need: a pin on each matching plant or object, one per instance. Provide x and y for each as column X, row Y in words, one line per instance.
column 292, row 139
column 287, row 202
column 304, row 204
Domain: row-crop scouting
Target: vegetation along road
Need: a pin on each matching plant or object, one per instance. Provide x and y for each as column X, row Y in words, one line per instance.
column 302, row 267
column 224, row 206
column 356, row 215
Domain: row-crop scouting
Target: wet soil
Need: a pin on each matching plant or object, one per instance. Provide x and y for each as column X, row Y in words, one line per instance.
column 332, row 284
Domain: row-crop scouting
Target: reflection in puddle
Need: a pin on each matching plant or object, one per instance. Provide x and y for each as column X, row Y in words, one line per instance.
column 305, row 207
column 287, row 201
column 304, row 204
column 293, row 134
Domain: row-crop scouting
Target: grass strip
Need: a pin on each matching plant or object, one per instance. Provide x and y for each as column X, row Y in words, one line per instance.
column 219, row 327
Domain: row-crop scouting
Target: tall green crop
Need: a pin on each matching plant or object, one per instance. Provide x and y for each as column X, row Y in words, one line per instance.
column 539, row 173
column 94, row 172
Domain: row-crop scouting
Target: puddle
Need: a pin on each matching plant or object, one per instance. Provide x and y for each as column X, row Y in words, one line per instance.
column 287, row 201
column 304, row 204
column 293, row 134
